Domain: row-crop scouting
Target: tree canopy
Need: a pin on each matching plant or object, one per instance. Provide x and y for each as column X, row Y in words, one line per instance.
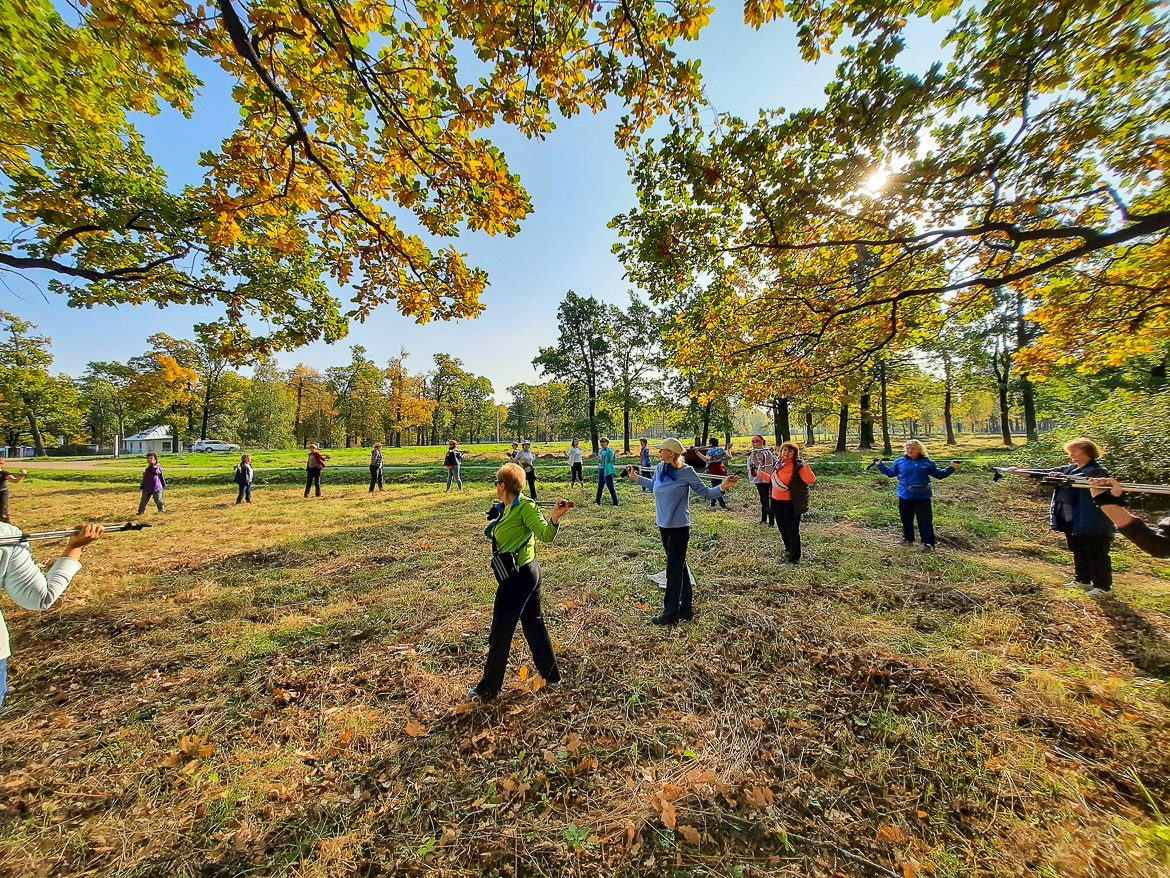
column 1030, row 156
column 356, row 126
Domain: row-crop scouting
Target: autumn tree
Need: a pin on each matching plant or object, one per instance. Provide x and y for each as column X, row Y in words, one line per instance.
column 29, row 395
column 582, row 352
column 312, row 405
column 443, row 389
column 406, row 404
column 1028, row 154
column 266, row 408
column 350, row 113
column 359, row 398
column 164, row 387
column 105, row 399
column 636, row 333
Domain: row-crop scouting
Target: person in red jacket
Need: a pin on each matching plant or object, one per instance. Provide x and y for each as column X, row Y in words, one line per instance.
column 315, row 464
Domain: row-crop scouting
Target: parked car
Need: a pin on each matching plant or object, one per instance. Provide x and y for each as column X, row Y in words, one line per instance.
column 207, row 445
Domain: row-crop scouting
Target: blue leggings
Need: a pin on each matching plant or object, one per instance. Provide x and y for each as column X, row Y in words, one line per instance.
column 604, row 481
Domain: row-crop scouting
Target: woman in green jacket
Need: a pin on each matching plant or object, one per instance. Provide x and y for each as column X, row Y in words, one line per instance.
column 514, row 522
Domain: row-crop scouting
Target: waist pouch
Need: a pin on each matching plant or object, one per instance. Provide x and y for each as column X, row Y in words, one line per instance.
column 919, row 491
column 505, row 565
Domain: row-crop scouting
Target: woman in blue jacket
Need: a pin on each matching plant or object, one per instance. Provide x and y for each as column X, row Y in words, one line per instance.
column 913, row 471
column 672, row 484
column 1087, row 530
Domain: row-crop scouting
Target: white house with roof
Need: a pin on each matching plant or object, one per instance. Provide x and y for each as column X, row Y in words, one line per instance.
column 157, row 439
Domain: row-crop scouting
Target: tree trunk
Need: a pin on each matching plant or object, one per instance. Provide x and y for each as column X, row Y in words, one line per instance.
column 887, row 447
column 1005, row 424
column 297, row 413
column 780, row 419
column 626, row 427
column 706, row 422
column 843, row 427
column 810, row 438
column 34, row 428
column 947, row 416
column 866, row 430
column 594, row 437
column 1028, row 392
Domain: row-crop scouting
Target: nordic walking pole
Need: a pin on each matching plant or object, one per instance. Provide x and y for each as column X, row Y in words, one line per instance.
column 64, row 534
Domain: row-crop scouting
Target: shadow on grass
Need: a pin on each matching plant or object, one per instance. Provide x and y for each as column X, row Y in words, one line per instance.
column 1139, row 641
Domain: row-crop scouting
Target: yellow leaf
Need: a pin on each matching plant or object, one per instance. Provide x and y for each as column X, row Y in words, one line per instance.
column 523, row 673
column 414, row 729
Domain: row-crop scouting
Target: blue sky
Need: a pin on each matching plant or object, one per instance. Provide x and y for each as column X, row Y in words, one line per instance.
column 577, row 181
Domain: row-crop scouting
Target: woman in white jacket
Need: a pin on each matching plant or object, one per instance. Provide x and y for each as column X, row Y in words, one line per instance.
column 28, row 586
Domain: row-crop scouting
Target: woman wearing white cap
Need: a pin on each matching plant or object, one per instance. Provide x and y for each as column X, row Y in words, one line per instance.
column 672, row 484
column 525, row 458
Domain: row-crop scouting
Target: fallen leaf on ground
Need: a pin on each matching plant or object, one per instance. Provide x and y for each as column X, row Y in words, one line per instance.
column 414, row 729
column 689, row 834
column 891, row 834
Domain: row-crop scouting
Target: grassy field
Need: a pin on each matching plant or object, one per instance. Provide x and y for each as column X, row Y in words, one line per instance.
column 280, row 689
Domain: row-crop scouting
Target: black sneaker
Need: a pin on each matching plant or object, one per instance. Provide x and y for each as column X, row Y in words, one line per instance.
column 663, row 619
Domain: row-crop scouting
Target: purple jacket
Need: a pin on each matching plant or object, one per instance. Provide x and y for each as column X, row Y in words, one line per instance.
column 153, row 479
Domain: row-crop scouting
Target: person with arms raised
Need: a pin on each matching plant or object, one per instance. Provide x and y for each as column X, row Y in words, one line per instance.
column 672, row 485
column 914, row 470
column 29, row 587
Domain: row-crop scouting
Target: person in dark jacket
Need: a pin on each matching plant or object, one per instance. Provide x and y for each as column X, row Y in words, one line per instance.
column 914, row 471
column 1087, row 530
column 376, row 467
column 244, row 475
column 153, row 482
column 716, row 460
column 453, row 461
column 1112, row 503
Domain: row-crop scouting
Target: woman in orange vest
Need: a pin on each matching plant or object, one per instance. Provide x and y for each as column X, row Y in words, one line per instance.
column 790, row 478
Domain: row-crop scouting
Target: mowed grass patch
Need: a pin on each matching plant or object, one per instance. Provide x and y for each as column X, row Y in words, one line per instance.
column 280, row 689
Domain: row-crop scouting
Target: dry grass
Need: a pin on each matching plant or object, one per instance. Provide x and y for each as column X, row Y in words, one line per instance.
column 279, row 689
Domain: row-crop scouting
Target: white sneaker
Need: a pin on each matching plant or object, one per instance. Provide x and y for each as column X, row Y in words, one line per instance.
column 1100, row 592
column 659, row 577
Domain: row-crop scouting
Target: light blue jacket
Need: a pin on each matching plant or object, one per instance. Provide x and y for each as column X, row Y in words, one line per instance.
column 671, row 495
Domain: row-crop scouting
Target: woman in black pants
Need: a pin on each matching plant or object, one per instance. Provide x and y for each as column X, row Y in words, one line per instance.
column 760, row 462
column 1086, row 528
column 514, row 521
column 672, row 484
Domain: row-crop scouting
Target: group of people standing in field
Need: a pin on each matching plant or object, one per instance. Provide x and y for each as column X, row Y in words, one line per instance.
column 783, row 480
